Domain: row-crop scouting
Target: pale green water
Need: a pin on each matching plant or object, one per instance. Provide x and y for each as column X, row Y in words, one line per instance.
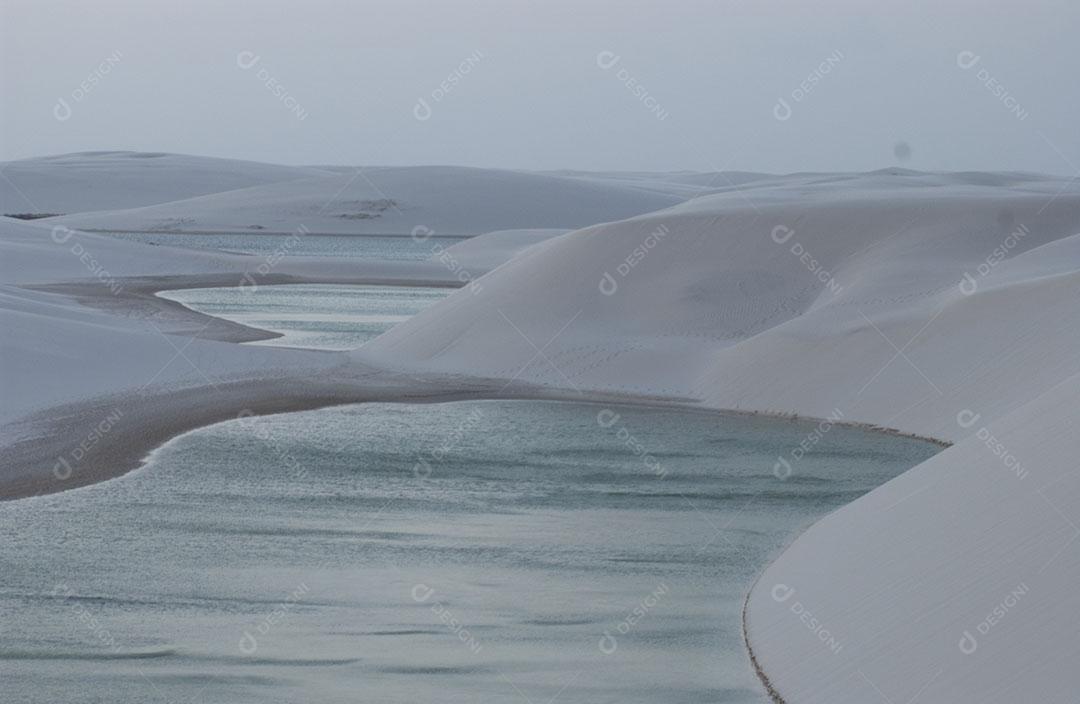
column 321, row 316
column 313, row 557
column 518, row 552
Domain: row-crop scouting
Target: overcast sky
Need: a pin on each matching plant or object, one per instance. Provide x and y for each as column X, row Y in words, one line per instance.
column 610, row 84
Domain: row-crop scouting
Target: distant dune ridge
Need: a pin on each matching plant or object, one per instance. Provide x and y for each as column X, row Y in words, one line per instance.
column 196, row 194
column 943, row 305
column 74, row 183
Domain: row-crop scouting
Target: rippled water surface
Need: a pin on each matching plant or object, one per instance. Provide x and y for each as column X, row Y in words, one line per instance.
column 492, row 551
column 464, row 552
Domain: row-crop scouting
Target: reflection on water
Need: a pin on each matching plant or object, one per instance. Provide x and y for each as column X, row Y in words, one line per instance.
column 462, row 552
column 321, row 316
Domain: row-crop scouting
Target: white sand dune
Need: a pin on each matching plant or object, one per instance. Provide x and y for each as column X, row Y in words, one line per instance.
column 956, row 579
column 492, row 249
column 445, row 200
column 687, row 184
column 715, row 298
column 943, row 305
column 870, row 319
column 73, row 183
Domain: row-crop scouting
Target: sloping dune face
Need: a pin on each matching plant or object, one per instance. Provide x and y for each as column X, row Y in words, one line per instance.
column 446, row 200
column 938, row 305
column 888, row 297
column 955, row 582
column 73, row 183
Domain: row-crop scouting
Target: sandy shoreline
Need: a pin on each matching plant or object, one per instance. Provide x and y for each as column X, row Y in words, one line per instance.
column 77, row 444
column 137, row 298
column 80, row 444
column 90, row 441
column 770, row 690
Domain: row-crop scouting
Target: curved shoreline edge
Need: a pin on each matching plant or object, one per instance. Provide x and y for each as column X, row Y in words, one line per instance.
column 758, row 669
column 163, row 416
column 166, row 416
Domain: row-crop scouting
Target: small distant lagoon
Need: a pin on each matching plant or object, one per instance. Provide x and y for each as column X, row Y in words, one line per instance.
column 319, row 316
